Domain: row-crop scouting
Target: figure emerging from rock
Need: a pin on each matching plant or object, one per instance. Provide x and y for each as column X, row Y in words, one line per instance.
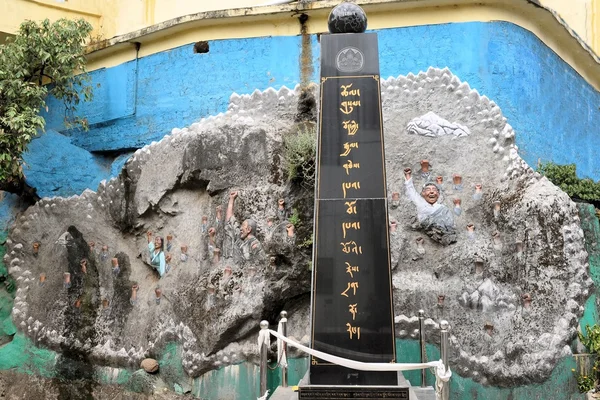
column 434, row 218
column 36, row 249
column 157, row 254
column 240, row 240
column 115, row 266
column 104, row 253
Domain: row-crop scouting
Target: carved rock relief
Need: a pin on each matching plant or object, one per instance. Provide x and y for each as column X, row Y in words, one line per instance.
column 512, row 284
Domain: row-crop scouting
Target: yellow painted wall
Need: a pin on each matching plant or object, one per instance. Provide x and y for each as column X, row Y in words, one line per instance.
column 97, row 12
column 578, row 14
column 117, row 17
column 137, row 14
column 581, row 15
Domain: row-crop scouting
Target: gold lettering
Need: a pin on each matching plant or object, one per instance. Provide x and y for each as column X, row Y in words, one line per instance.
column 351, row 247
column 349, row 165
column 350, row 269
column 352, row 309
column 351, row 285
column 348, row 106
column 351, row 207
column 349, row 225
column 350, row 185
column 348, row 146
column 346, row 92
column 353, row 330
column 351, row 126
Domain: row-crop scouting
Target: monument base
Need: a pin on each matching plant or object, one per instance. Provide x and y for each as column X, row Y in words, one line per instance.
column 324, row 392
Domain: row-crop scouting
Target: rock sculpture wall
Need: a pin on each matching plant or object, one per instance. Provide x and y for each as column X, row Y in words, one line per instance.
column 512, row 282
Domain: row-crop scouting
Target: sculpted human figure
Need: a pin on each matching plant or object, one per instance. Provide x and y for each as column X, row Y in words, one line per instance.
column 240, row 241
column 434, row 218
column 157, row 254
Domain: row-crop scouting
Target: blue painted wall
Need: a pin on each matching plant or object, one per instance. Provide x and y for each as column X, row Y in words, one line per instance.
column 553, row 110
column 56, row 167
column 177, row 87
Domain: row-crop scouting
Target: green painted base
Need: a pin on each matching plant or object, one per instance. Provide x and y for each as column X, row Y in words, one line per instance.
column 241, row 382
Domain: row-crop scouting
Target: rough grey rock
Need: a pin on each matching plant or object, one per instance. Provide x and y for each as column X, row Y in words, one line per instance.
column 167, row 188
column 18, row 386
column 527, row 239
column 526, row 236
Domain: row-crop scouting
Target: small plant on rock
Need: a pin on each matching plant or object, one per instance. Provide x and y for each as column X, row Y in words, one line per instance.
column 299, row 154
column 294, row 219
column 591, row 340
column 586, row 381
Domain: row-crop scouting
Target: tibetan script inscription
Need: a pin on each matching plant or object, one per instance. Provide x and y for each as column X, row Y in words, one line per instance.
column 352, row 262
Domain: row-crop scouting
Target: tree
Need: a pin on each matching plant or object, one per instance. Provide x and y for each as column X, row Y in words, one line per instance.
column 43, row 58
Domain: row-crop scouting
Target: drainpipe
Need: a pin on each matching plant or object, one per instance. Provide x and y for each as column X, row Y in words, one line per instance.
column 137, row 75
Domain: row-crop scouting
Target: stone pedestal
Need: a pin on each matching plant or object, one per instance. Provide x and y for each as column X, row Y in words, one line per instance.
column 352, row 392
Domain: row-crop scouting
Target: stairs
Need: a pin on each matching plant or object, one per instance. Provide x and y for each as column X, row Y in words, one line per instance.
column 416, row 393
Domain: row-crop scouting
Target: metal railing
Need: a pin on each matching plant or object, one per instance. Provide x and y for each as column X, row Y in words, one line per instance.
column 422, row 345
column 264, row 326
column 444, row 354
column 263, row 360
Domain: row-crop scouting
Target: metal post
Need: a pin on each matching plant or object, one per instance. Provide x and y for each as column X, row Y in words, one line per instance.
column 263, row 361
column 422, row 345
column 444, row 351
column 284, row 369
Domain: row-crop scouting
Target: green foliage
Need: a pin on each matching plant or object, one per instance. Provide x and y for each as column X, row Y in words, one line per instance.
column 565, row 177
column 299, row 153
column 307, row 243
column 294, row 219
column 585, row 383
column 40, row 60
column 591, row 340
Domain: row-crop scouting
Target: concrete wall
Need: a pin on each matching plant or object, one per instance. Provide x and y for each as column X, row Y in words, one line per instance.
column 551, row 107
column 581, row 15
column 97, row 12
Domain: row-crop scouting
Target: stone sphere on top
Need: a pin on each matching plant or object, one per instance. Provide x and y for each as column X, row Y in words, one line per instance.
column 347, row 18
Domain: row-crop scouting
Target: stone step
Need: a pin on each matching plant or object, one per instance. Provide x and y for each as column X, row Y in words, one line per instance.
column 416, row 393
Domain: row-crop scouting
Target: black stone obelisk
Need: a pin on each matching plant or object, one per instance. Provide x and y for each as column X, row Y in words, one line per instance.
column 352, row 312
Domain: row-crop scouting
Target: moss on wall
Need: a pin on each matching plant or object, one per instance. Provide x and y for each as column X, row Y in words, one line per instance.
column 18, row 352
column 23, row 356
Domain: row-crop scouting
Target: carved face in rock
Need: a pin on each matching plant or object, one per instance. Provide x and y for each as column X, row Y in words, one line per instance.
column 245, row 230
column 430, row 193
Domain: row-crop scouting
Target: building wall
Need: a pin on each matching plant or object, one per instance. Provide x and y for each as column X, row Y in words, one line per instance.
column 100, row 13
column 581, row 15
column 118, row 17
column 551, row 107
